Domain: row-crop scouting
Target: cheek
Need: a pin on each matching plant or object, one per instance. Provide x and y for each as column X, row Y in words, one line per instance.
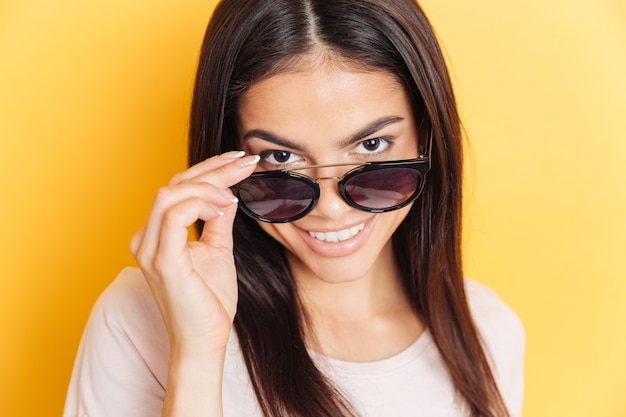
column 393, row 222
column 275, row 230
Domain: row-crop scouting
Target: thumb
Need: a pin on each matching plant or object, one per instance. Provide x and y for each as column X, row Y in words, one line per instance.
column 218, row 231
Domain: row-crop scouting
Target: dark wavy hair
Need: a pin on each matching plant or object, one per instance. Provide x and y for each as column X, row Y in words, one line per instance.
column 250, row 40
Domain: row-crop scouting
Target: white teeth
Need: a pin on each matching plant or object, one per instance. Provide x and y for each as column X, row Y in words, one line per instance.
column 339, row 235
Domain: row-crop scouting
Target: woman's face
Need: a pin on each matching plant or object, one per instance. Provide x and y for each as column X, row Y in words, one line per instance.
column 322, row 113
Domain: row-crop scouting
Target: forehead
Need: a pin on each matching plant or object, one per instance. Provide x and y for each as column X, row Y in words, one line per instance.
column 320, row 67
column 321, row 97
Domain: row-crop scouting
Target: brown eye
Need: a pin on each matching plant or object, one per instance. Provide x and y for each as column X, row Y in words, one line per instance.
column 281, row 156
column 374, row 146
column 371, row 144
column 277, row 159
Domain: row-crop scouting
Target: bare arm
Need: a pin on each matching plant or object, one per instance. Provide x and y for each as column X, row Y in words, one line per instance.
column 195, row 386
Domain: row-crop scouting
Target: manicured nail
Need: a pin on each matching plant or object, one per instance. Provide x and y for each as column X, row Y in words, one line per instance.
column 248, row 160
column 227, row 194
column 232, row 155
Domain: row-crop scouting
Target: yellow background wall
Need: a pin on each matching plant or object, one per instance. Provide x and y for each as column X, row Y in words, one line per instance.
column 94, row 100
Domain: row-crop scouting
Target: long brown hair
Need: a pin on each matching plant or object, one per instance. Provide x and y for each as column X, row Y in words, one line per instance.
column 248, row 40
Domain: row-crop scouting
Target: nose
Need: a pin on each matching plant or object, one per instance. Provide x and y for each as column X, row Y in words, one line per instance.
column 330, row 205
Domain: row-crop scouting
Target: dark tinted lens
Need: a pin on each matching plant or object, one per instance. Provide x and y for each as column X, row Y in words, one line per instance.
column 275, row 198
column 383, row 188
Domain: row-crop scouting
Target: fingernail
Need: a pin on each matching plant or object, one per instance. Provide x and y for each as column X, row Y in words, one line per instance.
column 227, row 194
column 248, row 160
column 232, row 154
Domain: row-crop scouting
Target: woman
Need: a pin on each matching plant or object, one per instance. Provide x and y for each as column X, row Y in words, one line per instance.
column 336, row 289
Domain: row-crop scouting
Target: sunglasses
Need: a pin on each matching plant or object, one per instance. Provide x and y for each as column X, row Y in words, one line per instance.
column 282, row 196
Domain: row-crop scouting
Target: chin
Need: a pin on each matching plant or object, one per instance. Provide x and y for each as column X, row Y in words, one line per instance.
column 338, row 270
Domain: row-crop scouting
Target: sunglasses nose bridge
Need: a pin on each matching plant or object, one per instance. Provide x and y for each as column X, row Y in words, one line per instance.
column 338, row 170
column 334, row 177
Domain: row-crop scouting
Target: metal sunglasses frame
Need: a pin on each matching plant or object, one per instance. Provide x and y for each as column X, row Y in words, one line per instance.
column 421, row 164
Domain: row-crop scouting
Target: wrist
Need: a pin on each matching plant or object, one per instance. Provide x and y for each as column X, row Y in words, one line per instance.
column 194, row 385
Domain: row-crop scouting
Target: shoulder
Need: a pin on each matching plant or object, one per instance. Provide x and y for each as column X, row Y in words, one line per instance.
column 126, row 310
column 126, row 318
column 121, row 365
column 498, row 324
column 128, row 291
column 490, row 312
column 504, row 339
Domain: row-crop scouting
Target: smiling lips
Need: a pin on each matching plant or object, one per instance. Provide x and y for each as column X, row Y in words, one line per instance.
column 339, row 235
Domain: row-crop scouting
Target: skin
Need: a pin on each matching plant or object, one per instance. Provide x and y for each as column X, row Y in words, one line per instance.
column 350, row 289
column 197, row 302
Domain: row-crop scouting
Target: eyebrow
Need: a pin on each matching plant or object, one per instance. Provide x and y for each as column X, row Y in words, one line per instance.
column 272, row 138
column 368, row 130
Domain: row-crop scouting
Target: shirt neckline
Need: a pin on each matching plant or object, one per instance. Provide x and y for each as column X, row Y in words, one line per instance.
column 411, row 353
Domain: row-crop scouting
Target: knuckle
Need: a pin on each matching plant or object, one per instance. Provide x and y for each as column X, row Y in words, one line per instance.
column 176, row 179
column 143, row 259
column 163, row 195
column 158, row 265
column 171, row 216
column 134, row 246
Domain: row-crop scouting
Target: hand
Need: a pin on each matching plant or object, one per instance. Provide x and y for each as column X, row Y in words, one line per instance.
column 194, row 283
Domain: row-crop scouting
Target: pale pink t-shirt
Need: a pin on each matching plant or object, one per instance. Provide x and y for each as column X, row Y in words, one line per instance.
column 121, row 366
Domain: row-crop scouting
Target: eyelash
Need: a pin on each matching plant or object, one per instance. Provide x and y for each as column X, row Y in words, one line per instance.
column 376, row 153
column 272, row 153
column 266, row 155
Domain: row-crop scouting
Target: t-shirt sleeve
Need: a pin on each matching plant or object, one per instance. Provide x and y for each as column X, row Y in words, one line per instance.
column 121, row 365
column 504, row 339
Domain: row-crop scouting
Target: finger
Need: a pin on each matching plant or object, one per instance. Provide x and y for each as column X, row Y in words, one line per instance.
column 172, row 250
column 135, row 241
column 207, row 165
column 218, row 232
column 168, row 197
column 227, row 175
